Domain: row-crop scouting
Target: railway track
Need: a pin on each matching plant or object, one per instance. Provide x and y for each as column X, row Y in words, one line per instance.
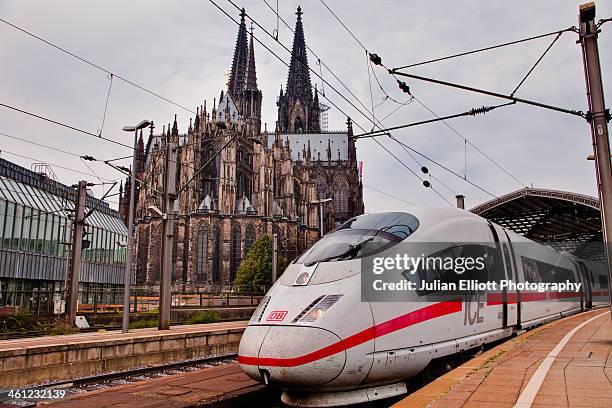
column 125, row 377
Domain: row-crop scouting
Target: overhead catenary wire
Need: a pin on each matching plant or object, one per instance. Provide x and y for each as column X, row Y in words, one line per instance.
column 81, row 157
column 362, row 46
column 432, row 112
column 374, row 121
column 471, row 112
column 99, row 67
column 334, row 75
column 64, row 125
column 84, row 158
column 311, row 70
column 27, row 194
column 343, row 25
column 444, row 167
column 51, row 147
column 466, row 141
column 53, row 164
column 369, row 67
column 411, row 171
column 492, row 47
column 490, row 93
column 388, row 194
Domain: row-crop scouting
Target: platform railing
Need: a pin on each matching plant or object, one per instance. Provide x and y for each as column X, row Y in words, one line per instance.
column 143, row 299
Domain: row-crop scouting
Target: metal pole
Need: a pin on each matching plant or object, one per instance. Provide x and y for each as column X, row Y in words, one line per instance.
column 274, row 249
column 127, row 274
column 321, row 218
column 460, row 201
column 77, row 241
column 165, row 295
column 598, row 119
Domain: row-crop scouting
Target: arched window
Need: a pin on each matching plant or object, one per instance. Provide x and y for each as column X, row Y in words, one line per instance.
column 216, row 261
column 236, row 258
column 201, row 253
column 321, row 187
column 297, row 194
column 340, row 198
column 249, row 238
column 299, row 127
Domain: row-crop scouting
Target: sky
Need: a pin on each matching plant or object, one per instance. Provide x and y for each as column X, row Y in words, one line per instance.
column 183, row 51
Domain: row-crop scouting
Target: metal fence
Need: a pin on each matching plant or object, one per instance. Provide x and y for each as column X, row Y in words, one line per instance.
column 142, row 299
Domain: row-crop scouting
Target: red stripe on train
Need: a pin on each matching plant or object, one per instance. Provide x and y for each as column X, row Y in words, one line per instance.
column 494, row 299
column 390, row 326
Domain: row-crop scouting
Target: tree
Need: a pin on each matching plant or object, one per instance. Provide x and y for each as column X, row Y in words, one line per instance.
column 256, row 268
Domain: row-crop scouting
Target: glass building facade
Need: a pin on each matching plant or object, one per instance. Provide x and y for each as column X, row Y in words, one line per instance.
column 36, row 233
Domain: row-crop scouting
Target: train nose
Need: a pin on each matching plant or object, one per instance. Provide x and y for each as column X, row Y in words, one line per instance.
column 291, row 356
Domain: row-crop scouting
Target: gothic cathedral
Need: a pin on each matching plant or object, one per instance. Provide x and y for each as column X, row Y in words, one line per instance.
column 259, row 183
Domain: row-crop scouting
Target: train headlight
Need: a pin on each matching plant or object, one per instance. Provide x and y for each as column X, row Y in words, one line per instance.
column 318, row 313
column 302, row 279
column 317, row 309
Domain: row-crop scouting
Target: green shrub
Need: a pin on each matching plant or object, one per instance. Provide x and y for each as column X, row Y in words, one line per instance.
column 256, row 269
column 143, row 324
column 60, row 327
column 203, row 316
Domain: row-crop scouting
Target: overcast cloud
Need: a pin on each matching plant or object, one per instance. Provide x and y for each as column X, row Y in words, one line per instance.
column 182, row 50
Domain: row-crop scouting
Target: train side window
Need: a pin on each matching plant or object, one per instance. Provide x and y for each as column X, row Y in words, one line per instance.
column 438, row 272
column 603, row 281
column 538, row 271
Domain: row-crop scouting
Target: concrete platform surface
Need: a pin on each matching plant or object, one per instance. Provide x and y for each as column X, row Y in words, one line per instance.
column 47, row 359
column 566, row 363
column 46, row 341
column 187, row 389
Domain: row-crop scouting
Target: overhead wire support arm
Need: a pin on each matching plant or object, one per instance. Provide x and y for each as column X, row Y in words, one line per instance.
column 471, row 112
column 492, row 47
column 489, row 93
column 126, row 171
column 99, row 201
column 603, row 21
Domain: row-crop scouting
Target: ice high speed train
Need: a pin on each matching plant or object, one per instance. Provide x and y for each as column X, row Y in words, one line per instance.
column 314, row 337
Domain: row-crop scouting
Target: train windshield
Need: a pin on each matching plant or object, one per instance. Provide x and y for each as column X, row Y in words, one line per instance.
column 361, row 236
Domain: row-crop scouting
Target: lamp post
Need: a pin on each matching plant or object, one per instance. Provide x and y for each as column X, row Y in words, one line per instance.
column 127, row 278
column 321, row 202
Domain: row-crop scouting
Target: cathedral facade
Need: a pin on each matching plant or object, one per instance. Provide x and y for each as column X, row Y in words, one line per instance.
column 260, row 182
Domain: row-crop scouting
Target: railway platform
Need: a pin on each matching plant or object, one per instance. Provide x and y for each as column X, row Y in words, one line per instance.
column 565, row 363
column 48, row 359
column 181, row 390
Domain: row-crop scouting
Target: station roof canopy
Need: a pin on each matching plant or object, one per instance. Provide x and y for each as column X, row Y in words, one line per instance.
column 567, row 221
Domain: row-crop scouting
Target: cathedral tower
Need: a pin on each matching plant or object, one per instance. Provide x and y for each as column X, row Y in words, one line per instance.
column 250, row 97
column 298, row 109
column 239, row 63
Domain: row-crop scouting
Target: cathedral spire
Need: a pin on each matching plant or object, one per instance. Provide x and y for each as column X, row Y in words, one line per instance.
column 251, row 74
column 298, row 111
column 174, row 127
column 239, row 63
column 298, row 82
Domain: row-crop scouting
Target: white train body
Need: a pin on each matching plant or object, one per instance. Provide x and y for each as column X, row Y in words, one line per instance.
column 324, row 346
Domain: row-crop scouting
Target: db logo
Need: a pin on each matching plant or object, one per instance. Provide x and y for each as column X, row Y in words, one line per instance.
column 277, row 316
